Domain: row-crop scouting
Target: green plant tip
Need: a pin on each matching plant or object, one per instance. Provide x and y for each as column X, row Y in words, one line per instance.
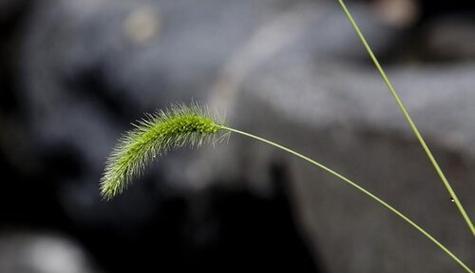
column 153, row 136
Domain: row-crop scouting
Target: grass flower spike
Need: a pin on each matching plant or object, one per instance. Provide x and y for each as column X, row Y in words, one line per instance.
column 152, row 137
column 190, row 125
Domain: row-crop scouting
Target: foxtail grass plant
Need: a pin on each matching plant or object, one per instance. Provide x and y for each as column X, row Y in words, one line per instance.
column 407, row 116
column 154, row 136
column 192, row 125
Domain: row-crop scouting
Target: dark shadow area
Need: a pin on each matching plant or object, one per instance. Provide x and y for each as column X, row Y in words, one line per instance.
column 217, row 230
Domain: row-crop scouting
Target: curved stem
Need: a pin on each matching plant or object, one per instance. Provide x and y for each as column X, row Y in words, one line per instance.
column 409, row 120
column 359, row 188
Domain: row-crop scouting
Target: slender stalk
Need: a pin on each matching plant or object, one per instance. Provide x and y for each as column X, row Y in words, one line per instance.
column 408, row 118
column 359, row 188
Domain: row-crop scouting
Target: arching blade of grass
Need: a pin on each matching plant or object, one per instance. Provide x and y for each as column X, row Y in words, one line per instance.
column 408, row 118
column 359, row 188
column 193, row 126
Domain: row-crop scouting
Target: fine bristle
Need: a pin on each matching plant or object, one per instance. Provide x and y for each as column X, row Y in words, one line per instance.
column 153, row 136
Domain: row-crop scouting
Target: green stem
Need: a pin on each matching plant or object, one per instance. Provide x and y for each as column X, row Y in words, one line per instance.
column 359, row 188
column 408, row 118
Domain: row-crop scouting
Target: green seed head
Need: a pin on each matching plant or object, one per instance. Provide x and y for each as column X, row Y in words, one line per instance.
column 152, row 137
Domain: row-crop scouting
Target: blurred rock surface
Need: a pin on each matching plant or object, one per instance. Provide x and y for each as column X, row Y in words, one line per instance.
column 24, row 252
column 353, row 126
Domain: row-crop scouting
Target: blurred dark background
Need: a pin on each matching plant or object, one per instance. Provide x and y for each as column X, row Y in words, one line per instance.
column 75, row 73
